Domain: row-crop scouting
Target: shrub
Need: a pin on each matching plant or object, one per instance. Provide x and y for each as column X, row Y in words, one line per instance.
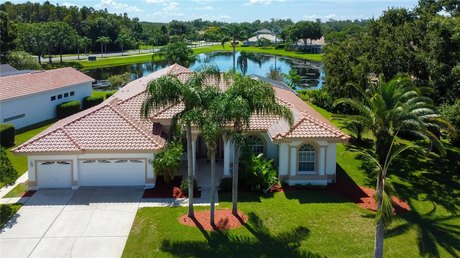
column 260, row 175
column 184, row 185
column 318, row 97
column 6, row 212
column 280, row 46
column 226, row 184
column 452, row 113
column 67, row 108
column 7, row 135
column 92, row 101
column 108, row 94
column 22, row 60
column 8, row 173
column 167, row 163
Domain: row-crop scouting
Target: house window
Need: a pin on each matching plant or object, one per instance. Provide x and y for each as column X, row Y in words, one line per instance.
column 60, row 96
column 72, row 93
column 256, row 144
column 13, row 118
column 53, row 98
column 307, row 157
column 66, row 95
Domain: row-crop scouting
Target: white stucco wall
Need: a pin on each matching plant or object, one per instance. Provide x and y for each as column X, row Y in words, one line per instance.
column 39, row 107
column 271, row 148
column 31, row 161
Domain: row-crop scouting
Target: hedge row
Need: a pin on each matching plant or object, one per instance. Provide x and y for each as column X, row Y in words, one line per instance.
column 92, row 101
column 67, row 108
column 7, row 135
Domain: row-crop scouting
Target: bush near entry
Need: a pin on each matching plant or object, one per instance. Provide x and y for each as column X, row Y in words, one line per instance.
column 68, row 108
column 7, row 135
column 92, row 101
column 8, row 173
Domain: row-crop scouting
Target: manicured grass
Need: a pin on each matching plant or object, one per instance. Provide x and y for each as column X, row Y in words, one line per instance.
column 142, row 58
column 17, row 191
column 7, row 211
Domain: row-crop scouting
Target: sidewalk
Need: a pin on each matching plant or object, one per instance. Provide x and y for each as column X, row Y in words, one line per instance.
column 6, row 189
column 204, row 200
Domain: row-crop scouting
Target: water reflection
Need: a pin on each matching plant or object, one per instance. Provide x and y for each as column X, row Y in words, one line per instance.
column 311, row 73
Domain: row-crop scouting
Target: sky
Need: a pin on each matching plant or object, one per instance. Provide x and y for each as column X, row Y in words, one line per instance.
column 242, row 10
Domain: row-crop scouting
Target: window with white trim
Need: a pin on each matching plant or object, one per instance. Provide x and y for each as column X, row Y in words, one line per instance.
column 307, row 158
column 256, row 144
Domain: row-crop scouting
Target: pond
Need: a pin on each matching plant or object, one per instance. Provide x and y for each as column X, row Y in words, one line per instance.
column 311, row 73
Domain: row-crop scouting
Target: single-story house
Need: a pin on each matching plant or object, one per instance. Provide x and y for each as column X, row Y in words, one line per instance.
column 266, row 34
column 112, row 145
column 32, row 97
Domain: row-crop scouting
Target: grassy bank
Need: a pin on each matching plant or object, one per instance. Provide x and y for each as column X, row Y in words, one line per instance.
column 143, row 58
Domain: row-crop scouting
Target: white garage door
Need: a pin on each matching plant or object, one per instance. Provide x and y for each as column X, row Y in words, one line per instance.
column 54, row 174
column 122, row 172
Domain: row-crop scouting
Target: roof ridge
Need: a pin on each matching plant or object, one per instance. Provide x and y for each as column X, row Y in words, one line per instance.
column 134, row 124
column 37, row 138
column 71, row 139
column 166, row 109
column 322, row 124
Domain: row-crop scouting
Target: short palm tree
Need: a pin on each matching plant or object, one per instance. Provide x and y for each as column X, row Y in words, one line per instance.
column 244, row 98
column 169, row 90
column 232, row 33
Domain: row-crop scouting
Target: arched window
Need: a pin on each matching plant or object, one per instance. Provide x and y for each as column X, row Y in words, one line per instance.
column 256, row 144
column 307, row 158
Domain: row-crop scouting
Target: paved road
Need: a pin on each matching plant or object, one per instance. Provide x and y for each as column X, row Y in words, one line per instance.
column 89, row 222
column 126, row 53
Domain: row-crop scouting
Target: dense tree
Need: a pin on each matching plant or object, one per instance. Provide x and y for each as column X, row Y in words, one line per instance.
column 177, row 52
column 122, row 40
column 8, row 173
column 7, row 34
column 22, row 60
column 306, row 30
column 32, row 38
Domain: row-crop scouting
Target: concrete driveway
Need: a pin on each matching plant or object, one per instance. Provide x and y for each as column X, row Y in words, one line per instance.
column 88, row 222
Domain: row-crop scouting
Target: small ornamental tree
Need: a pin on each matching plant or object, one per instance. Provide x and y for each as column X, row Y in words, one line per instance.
column 8, row 173
column 167, row 163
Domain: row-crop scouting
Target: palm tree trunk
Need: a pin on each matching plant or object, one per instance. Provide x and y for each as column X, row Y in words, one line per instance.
column 50, row 59
column 382, row 146
column 122, row 52
column 60, row 53
column 213, row 185
column 102, row 50
column 233, row 53
column 190, row 170
column 236, row 162
column 379, row 228
column 78, row 52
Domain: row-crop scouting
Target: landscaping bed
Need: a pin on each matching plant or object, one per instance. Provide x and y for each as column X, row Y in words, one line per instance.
column 168, row 190
column 224, row 220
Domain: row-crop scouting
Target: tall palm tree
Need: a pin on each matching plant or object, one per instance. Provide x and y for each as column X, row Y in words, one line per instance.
column 396, row 106
column 232, row 33
column 122, row 40
column 169, row 90
column 104, row 41
column 239, row 102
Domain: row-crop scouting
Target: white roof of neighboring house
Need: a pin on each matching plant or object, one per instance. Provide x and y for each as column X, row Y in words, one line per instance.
column 264, row 31
column 117, row 126
column 19, row 85
column 319, row 42
column 267, row 36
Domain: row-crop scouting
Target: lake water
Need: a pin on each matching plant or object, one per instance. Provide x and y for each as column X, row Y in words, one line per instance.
column 311, row 73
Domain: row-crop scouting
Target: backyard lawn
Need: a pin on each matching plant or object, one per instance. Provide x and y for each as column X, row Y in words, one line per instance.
column 316, row 223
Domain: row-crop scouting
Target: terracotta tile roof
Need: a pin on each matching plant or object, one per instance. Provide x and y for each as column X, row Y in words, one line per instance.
column 14, row 86
column 116, row 124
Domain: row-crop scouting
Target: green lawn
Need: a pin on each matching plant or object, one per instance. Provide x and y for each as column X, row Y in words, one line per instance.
column 315, row 223
column 17, row 191
column 142, row 58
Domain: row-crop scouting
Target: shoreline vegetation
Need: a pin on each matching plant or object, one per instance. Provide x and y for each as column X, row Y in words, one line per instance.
column 143, row 58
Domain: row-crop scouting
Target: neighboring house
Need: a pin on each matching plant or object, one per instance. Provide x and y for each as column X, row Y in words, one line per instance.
column 312, row 46
column 32, row 97
column 112, row 145
column 267, row 34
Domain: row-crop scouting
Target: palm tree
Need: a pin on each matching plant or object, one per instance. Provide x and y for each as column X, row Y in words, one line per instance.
column 243, row 98
column 395, row 106
column 122, row 40
column 233, row 32
column 104, row 41
column 384, row 203
column 169, row 90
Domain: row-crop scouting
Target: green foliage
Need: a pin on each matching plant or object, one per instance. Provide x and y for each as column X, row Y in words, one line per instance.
column 119, row 80
column 184, row 185
column 91, row 101
column 177, row 52
column 22, row 60
column 68, row 108
column 452, row 114
column 109, row 93
column 319, row 97
column 292, row 79
column 167, row 162
column 8, row 173
column 7, row 132
column 258, row 174
column 7, row 211
column 226, row 184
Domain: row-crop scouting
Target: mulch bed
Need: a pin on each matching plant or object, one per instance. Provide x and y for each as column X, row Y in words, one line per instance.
column 224, row 220
column 168, row 190
column 28, row 193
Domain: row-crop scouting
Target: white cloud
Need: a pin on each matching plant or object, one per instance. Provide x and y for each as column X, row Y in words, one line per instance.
column 266, row 2
column 154, row 1
column 313, row 17
column 169, row 10
column 204, row 8
column 200, row 1
column 118, row 6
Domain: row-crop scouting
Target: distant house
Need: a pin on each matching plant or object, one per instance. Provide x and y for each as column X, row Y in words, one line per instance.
column 312, row 46
column 267, row 34
column 113, row 145
column 29, row 97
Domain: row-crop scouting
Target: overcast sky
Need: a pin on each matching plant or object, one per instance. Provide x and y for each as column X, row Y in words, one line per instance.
column 242, row 10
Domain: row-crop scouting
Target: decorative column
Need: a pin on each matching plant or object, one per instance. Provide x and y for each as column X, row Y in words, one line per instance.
column 226, row 158
column 293, row 160
column 322, row 158
column 284, row 159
